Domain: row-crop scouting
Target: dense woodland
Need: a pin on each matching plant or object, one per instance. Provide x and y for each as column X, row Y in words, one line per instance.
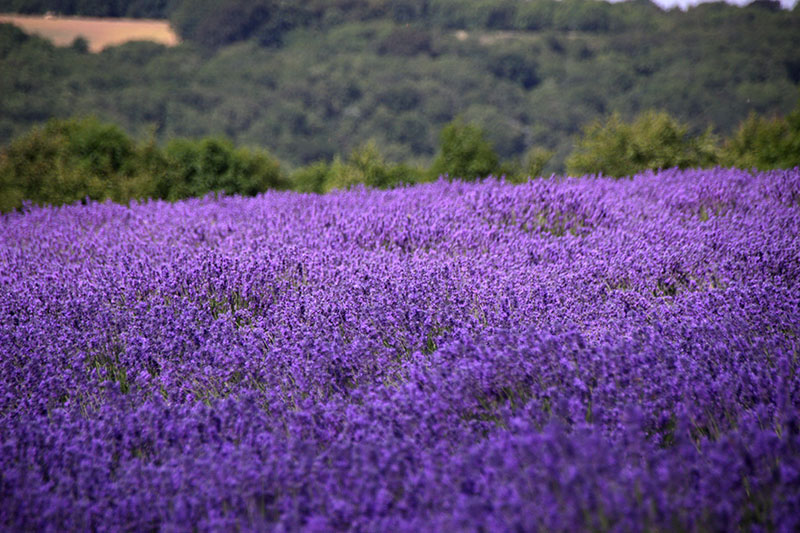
column 328, row 84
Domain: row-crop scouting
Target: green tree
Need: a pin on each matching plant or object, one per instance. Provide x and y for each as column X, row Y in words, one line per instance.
column 654, row 140
column 464, row 152
column 583, row 15
column 365, row 165
column 80, row 44
column 765, row 143
column 311, row 178
column 516, row 64
column 535, row 15
column 351, row 70
column 71, row 160
column 195, row 168
column 535, row 161
column 215, row 23
column 67, row 161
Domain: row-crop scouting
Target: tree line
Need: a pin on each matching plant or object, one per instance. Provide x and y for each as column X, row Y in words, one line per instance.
column 319, row 78
column 81, row 159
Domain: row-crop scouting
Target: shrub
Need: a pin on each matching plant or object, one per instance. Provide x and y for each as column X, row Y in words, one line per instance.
column 66, row 161
column 654, row 140
column 72, row 160
column 464, row 152
column 765, row 143
column 365, row 165
column 196, row 167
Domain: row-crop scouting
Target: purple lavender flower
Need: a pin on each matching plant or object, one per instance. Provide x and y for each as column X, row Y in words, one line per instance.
column 566, row 354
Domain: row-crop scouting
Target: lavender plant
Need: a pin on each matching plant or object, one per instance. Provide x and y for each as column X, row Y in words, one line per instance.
column 562, row 355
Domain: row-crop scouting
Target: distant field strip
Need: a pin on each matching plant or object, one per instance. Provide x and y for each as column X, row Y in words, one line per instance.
column 100, row 32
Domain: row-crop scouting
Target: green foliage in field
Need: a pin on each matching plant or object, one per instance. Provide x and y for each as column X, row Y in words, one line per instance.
column 654, row 140
column 765, row 143
column 73, row 160
column 67, row 161
column 194, row 168
column 535, row 161
column 465, row 153
column 365, row 165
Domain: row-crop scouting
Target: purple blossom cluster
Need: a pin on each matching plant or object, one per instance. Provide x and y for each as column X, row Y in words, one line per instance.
column 562, row 355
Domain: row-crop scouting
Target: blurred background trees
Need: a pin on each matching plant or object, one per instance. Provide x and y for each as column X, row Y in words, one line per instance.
column 464, row 153
column 387, row 92
column 318, row 79
column 765, row 143
column 73, row 160
column 83, row 159
column 654, row 140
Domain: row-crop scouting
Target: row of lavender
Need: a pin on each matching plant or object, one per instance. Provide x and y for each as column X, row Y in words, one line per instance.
column 561, row 355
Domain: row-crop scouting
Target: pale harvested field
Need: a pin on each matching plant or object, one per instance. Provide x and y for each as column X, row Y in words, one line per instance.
column 100, row 32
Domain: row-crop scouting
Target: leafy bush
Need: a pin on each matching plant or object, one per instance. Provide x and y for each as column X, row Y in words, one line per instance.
column 67, row 161
column 535, row 161
column 654, row 140
column 464, row 153
column 765, row 143
column 311, row 178
column 194, row 168
column 365, row 165
column 71, row 160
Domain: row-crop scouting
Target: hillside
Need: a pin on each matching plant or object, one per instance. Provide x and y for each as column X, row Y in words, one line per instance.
column 312, row 84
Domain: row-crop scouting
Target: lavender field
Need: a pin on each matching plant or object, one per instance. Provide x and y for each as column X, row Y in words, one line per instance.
column 564, row 355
